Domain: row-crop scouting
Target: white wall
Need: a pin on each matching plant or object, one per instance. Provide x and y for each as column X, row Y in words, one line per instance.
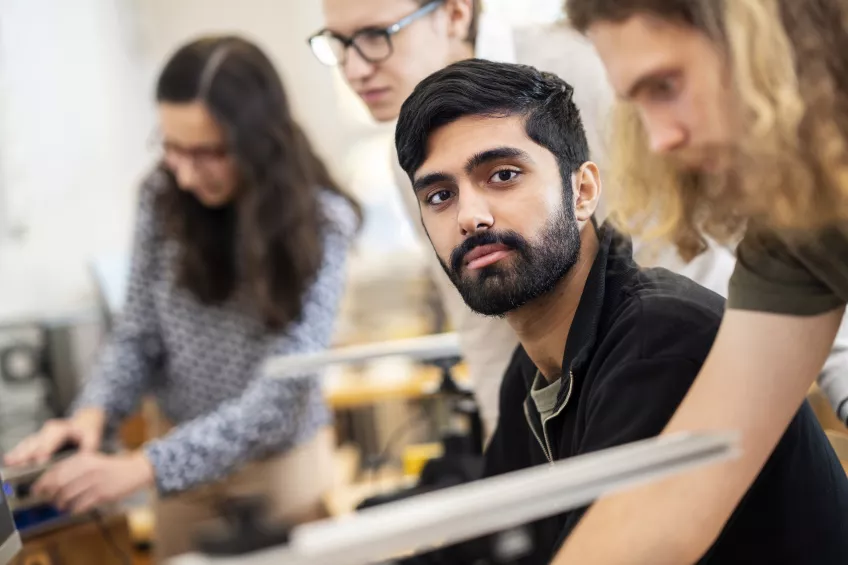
column 76, row 82
column 76, row 115
column 71, row 141
column 280, row 27
column 521, row 12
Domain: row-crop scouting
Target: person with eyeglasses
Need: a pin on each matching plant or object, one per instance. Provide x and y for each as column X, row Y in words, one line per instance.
column 384, row 48
column 241, row 240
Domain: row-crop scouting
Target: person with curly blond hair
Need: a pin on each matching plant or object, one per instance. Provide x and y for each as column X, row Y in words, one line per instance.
column 732, row 124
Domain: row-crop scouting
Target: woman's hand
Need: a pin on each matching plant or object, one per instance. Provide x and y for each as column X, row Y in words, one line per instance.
column 89, row 480
column 85, row 429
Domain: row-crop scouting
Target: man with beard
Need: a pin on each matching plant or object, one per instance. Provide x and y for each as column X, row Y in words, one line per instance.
column 499, row 163
column 383, row 48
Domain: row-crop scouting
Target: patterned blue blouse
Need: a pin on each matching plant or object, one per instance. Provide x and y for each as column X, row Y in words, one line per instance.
column 202, row 361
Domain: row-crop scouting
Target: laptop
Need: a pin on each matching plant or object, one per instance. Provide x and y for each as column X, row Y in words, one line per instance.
column 10, row 539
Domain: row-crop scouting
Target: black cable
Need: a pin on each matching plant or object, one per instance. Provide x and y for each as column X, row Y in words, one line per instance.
column 123, row 557
column 396, row 436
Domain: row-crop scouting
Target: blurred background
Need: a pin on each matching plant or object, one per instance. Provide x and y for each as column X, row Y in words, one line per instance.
column 77, row 118
column 76, row 124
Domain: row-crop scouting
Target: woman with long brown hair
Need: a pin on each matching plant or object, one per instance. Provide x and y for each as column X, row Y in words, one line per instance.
column 240, row 245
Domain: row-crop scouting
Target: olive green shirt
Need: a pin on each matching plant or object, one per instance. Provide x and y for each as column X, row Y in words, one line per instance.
column 784, row 276
column 545, row 395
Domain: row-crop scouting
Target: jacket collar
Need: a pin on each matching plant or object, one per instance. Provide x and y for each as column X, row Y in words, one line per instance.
column 612, row 267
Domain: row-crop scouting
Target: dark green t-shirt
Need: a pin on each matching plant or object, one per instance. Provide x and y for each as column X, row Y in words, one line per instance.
column 786, row 276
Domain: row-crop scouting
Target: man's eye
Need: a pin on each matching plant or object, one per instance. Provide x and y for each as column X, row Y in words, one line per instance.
column 439, row 197
column 665, row 89
column 505, row 175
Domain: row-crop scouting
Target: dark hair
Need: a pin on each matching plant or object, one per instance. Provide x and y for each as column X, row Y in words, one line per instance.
column 269, row 239
column 476, row 87
column 702, row 15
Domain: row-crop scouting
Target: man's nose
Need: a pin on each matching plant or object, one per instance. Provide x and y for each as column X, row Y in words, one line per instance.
column 474, row 214
column 665, row 134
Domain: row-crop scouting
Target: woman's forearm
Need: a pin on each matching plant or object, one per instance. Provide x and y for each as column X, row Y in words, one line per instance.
column 271, row 417
column 91, row 416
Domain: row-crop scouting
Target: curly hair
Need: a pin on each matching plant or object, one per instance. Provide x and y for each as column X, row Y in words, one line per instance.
column 266, row 244
column 790, row 162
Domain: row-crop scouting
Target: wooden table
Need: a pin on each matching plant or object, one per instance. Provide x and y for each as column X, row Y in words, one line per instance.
column 824, row 411
column 355, row 390
column 84, row 543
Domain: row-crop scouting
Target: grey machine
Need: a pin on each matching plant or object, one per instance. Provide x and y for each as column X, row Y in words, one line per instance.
column 10, row 539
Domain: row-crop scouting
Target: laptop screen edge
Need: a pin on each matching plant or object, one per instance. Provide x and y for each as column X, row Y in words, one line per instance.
column 10, row 548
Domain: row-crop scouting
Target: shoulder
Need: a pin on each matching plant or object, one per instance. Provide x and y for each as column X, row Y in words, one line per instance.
column 767, row 255
column 340, row 215
column 652, row 346
column 154, row 184
column 788, row 275
column 666, row 315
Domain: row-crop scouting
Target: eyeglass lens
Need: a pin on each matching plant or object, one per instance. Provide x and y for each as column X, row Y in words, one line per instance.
column 373, row 46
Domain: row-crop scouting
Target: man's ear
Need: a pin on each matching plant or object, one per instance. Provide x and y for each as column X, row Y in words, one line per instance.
column 587, row 191
column 460, row 14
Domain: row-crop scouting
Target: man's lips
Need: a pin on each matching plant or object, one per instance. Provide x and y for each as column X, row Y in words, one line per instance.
column 485, row 255
column 374, row 94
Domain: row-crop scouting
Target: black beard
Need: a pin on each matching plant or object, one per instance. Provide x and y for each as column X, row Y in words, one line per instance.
column 534, row 271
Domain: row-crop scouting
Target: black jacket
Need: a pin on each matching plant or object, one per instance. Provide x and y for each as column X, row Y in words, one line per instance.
column 638, row 340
